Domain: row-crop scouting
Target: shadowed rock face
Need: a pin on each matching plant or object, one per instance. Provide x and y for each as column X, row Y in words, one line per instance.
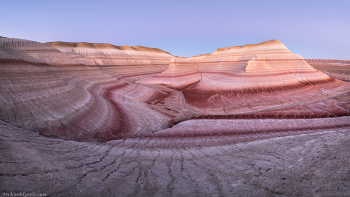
column 87, row 118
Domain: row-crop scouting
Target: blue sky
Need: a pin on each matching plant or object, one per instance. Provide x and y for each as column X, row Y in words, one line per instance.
column 313, row 29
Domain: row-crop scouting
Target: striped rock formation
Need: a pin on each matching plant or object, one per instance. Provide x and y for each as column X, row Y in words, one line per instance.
column 233, row 77
column 55, row 94
column 101, row 92
column 181, row 74
column 87, row 119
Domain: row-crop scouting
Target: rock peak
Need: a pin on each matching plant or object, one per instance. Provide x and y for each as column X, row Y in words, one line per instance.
column 104, row 46
column 269, row 45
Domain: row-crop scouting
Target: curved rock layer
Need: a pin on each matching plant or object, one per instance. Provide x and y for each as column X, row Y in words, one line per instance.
column 254, row 120
column 45, row 90
column 101, row 92
column 181, row 74
column 268, row 71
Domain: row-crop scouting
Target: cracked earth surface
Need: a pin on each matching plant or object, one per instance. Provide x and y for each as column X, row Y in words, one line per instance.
column 88, row 119
column 313, row 164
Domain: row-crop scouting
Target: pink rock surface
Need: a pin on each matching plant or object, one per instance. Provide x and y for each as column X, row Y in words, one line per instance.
column 181, row 74
column 144, row 114
column 233, row 79
column 99, row 92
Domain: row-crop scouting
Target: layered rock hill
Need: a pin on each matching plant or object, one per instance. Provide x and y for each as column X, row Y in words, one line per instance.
column 100, row 92
column 67, row 94
column 247, row 120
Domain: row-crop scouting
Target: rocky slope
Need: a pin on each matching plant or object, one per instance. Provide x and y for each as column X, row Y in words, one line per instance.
column 102, row 120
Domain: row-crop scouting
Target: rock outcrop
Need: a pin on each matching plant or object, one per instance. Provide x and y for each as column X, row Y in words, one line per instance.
column 100, row 92
column 337, row 69
column 99, row 115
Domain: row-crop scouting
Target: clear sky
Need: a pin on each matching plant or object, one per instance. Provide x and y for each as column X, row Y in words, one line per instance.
column 311, row 28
